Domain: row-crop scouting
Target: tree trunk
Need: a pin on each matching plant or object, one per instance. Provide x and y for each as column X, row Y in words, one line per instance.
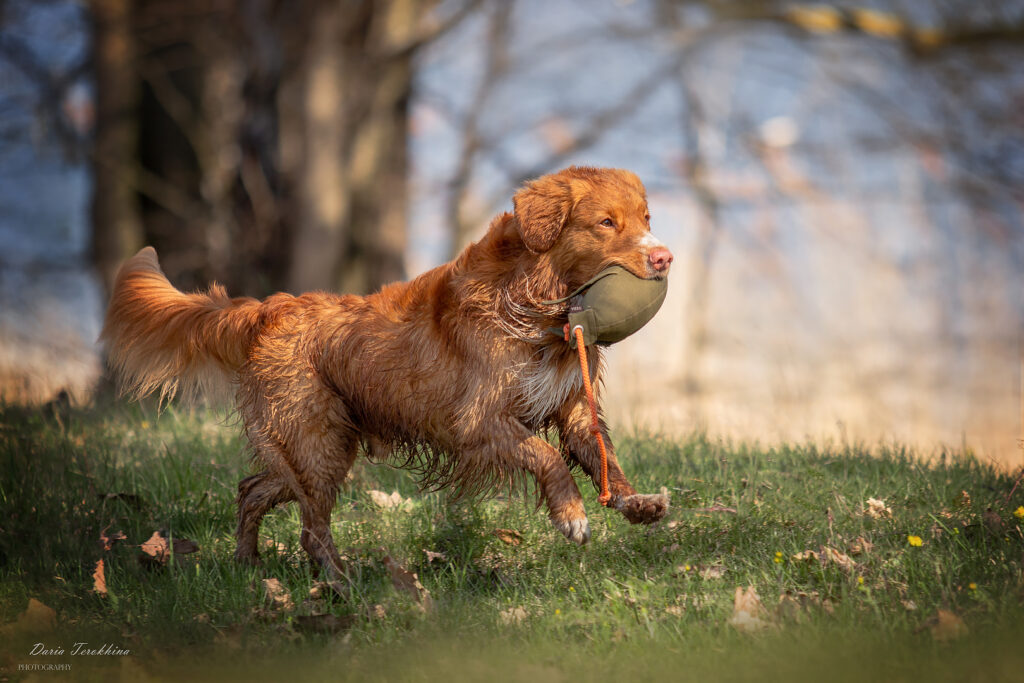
column 354, row 85
column 117, row 228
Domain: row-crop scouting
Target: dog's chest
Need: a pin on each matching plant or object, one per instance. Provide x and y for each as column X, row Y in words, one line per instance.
column 544, row 384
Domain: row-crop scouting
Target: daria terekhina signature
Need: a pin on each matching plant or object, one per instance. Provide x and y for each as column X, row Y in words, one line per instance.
column 79, row 649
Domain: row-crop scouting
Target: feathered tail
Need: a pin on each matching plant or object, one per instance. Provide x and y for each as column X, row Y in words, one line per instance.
column 159, row 338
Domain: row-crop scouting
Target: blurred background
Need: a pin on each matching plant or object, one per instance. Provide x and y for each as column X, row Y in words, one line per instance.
column 842, row 184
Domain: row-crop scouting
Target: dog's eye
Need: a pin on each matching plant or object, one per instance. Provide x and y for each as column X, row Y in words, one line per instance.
column 607, row 222
column 647, row 218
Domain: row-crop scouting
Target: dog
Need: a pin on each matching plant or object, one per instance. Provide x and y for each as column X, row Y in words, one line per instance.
column 452, row 374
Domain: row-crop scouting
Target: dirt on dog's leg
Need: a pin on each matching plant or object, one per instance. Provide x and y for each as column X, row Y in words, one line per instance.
column 257, row 494
column 581, row 446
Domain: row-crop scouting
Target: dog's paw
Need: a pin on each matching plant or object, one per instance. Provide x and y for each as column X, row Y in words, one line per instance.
column 641, row 508
column 576, row 530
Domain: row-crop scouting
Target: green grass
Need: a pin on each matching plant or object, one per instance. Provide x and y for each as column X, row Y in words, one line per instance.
column 637, row 602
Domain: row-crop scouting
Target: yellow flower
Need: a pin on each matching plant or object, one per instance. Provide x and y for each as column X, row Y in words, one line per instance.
column 557, row 611
column 1019, row 512
column 571, row 589
column 972, row 586
column 778, row 557
column 915, row 541
column 687, row 567
column 860, row 580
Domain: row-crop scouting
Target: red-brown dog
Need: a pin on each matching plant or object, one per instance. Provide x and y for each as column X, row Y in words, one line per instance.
column 453, row 373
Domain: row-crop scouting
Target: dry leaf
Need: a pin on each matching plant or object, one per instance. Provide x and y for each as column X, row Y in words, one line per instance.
column 276, row 595
column 877, row 509
column 861, row 546
column 946, row 626
column 392, row 501
column 156, row 547
column 835, row 557
column 275, row 547
column 409, row 582
column 157, row 550
column 962, row 500
column 510, row 536
column 108, row 541
column 747, row 611
column 806, row 556
column 378, row 612
column 513, row 615
column 99, row 581
column 715, row 571
column 431, row 556
column 675, row 610
column 322, row 589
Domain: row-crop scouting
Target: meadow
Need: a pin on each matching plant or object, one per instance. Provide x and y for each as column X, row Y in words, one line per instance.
column 806, row 562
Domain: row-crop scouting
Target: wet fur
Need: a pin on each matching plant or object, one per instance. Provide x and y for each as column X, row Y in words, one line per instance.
column 452, row 374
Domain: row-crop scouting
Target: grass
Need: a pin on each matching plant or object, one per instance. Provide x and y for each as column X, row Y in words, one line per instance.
column 637, row 602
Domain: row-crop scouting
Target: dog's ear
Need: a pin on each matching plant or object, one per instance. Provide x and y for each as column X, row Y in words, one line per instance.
column 542, row 209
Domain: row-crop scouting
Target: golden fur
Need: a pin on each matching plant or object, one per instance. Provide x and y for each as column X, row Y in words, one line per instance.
column 453, row 373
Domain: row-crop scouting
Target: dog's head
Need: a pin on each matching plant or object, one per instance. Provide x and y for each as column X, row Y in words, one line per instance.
column 586, row 219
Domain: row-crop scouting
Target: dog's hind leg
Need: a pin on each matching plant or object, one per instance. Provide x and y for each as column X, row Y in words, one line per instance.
column 581, row 447
column 257, row 494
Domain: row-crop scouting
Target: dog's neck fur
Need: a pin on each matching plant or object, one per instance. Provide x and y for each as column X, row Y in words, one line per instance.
column 499, row 276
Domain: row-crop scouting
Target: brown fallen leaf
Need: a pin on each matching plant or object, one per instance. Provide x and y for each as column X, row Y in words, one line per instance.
column 509, row 536
column 322, row 590
column 158, row 549
column 876, row 508
column 99, row 581
column 861, row 546
column 675, row 610
column 841, row 560
column 806, row 556
column 108, row 541
column 962, row 500
column 322, row 623
column 513, row 615
column 277, row 596
column 715, row 571
column 945, row 626
column 408, row 582
column 392, row 501
column 431, row 556
column 747, row 611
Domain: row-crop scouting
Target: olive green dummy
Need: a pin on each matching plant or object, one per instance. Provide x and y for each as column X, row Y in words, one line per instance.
column 612, row 305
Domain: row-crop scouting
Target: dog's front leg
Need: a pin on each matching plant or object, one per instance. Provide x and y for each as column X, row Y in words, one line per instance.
column 581, row 446
column 539, row 458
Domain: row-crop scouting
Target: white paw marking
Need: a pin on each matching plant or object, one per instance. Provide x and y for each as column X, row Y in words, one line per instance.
column 576, row 530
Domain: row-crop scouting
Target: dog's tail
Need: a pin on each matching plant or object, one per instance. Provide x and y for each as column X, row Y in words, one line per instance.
column 159, row 338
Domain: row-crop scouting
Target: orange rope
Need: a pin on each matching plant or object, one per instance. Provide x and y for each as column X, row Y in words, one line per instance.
column 595, row 428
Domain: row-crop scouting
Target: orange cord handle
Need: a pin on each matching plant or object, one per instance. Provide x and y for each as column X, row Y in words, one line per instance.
column 595, row 427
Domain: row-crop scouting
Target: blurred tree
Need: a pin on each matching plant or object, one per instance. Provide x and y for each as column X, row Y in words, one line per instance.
column 266, row 140
column 117, row 227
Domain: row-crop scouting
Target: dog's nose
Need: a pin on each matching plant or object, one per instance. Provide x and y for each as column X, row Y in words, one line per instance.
column 660, row 259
